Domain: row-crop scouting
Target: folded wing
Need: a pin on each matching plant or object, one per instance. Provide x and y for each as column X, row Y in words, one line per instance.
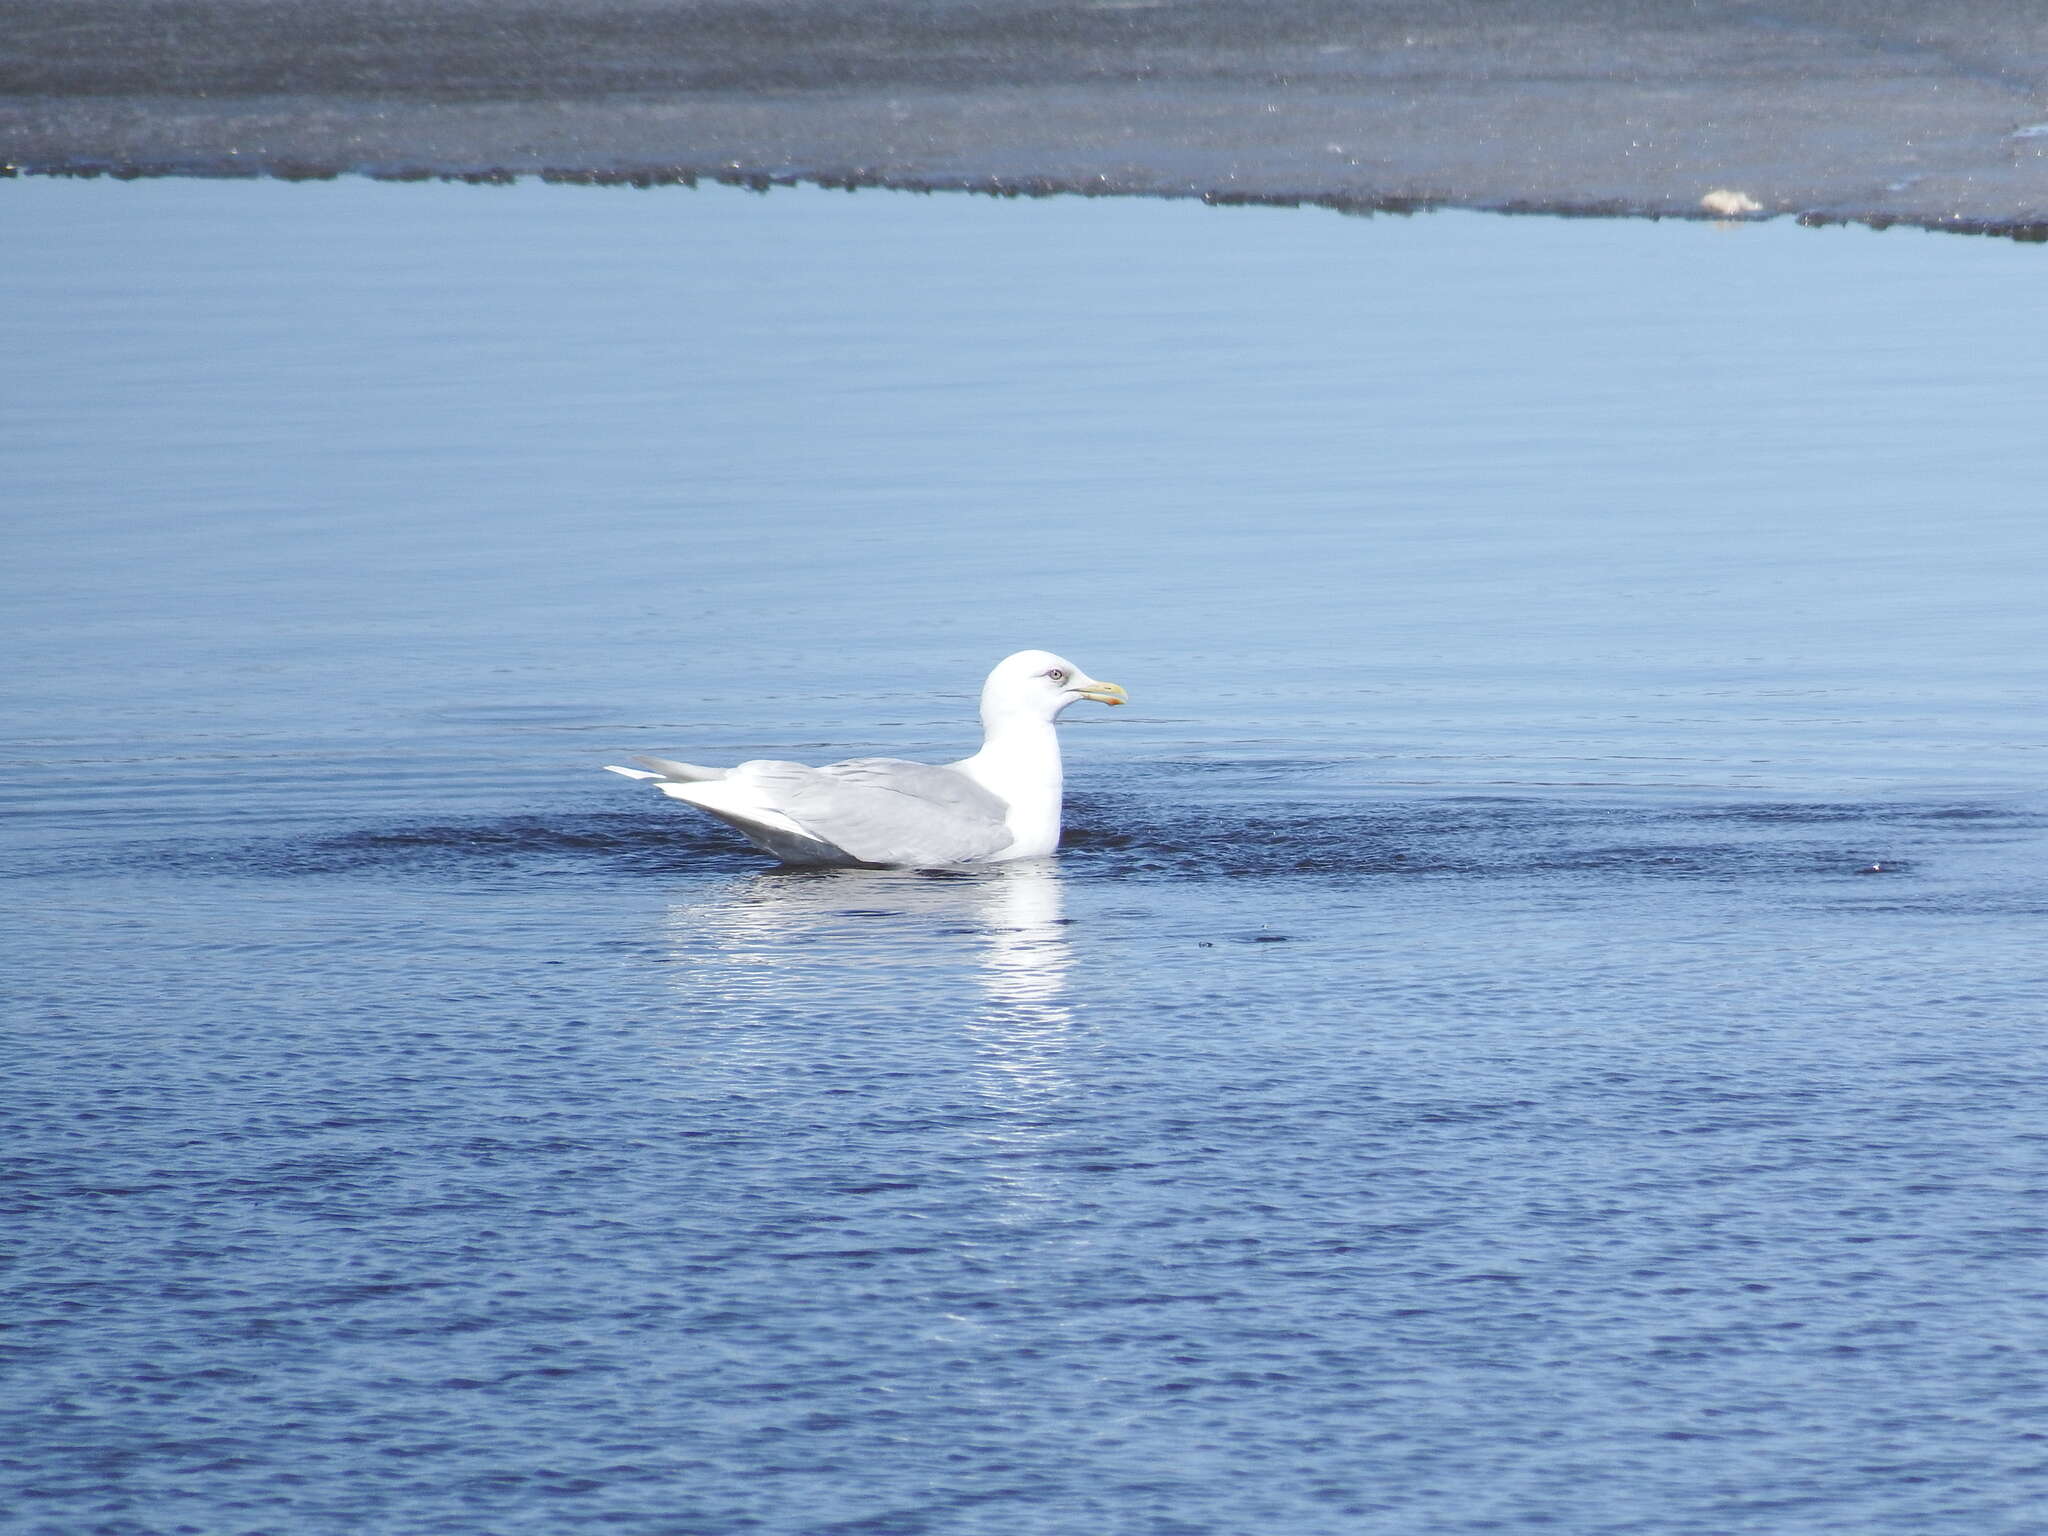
column 882, row 810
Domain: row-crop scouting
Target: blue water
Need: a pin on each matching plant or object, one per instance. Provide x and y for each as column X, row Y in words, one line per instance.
column 1538, row 1025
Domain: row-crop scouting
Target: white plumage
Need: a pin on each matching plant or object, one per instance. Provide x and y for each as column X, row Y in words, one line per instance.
column 1002, row 803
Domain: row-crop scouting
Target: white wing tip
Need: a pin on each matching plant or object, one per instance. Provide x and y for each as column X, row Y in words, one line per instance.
column 631, row 773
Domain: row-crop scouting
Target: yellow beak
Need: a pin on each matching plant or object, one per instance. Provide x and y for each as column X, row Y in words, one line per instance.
column 1106, row 693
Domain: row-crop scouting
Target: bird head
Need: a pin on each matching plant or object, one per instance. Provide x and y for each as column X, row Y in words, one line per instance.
column 1038, row 684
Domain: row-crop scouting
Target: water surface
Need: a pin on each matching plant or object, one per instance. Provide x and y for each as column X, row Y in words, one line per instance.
column 1536, row 1026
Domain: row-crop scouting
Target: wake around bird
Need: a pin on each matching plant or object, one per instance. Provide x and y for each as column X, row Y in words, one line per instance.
column 1002, row 803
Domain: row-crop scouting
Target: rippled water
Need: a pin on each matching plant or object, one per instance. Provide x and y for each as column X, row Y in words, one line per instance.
column 1537, row 1025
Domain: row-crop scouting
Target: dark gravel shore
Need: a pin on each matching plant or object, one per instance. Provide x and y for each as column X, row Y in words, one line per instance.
column 1876, row 111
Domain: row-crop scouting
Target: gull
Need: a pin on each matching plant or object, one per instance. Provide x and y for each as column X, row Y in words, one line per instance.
column 1002, row 803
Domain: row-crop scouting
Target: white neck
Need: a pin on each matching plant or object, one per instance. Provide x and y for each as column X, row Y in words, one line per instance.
column 1019, row 763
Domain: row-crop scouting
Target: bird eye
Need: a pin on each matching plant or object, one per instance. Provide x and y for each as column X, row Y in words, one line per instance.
column 1057, row 675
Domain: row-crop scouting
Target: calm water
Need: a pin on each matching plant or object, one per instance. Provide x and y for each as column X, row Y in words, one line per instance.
column 1538, row 1025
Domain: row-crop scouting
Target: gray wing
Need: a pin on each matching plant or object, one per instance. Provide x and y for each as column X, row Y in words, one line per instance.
column 885, row 811
column 685, row 773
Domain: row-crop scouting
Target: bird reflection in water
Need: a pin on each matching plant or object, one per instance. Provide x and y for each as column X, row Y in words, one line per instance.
column 1023, row 978
column 890, row 943
column 821, row 997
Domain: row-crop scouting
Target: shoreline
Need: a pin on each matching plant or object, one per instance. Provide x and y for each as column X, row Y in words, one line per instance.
column 1818, row 110
column 2026, row 231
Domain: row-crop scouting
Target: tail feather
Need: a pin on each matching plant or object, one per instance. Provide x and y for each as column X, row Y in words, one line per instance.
column 688, row 773
column 661, row 768
column 739, row 803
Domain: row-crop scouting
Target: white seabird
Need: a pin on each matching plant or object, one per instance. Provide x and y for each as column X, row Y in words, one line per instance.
column 1002, row 803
